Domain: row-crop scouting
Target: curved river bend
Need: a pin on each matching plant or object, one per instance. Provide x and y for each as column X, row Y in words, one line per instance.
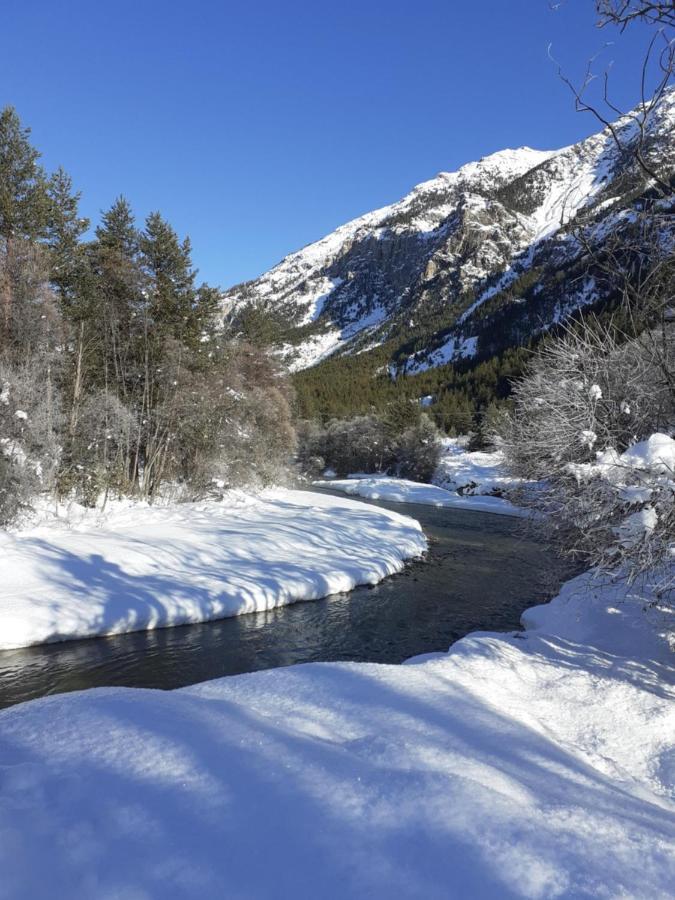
column 480, row 574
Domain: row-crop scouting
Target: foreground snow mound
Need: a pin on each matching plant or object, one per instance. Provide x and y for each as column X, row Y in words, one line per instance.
column 400, row 490
column 535, row 765
column 151, row 567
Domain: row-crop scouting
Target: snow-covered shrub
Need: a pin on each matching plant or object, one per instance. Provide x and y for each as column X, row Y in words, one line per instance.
column 582, row 394
column 624, row 505
column 593, row 421
column 100, row 440
column 30, row 418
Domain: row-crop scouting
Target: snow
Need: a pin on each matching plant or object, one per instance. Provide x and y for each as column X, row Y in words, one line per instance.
column 317, row 298
column 455, row 205
column 311, row 351
column 588, row 438
column 400, row 490
column 650, row 463
column 151, row 567
column 472, row 472
column 535, row 765
column 452, row 349
column 656, row 454
column 319, row 346
column 463, row 479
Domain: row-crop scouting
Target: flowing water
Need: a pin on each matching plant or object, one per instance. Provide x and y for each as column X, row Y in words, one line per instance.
column 480, row 574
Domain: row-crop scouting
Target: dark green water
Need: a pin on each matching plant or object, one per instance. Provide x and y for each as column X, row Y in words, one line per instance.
column 481, row 573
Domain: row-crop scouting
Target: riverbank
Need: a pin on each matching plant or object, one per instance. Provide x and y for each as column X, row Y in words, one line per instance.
column 464, row 479
column 144, row 567
column 525, row 765
column 400, row 490
column 480, row 572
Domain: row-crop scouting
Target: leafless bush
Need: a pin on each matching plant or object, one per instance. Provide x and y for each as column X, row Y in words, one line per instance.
column 586, row 400
column 229, row 424
column 30, row 420
column 98, row 448
column 417, row 451
column 585, row 392
column 370, row 444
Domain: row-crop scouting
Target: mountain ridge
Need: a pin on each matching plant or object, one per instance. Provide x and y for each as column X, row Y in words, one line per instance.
column 460, row 256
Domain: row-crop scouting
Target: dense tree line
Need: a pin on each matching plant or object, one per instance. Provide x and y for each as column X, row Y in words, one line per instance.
column 113, row 375
column 344, row 386
column 401, row 440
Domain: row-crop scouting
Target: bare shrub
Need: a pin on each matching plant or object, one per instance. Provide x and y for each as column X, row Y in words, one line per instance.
column 405, row 447
column 98, row 448
column 588, row 401
column 585, row 392
column 229, row 423
column 30, row 420
column 417, row 451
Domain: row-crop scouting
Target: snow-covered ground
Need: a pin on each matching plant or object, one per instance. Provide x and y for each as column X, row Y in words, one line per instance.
column 537, row 765
column 471, row 473
column 150, row 567
column 400, row 490
column 463, row 479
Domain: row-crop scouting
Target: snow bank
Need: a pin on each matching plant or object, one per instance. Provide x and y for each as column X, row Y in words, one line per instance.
column 399, row 490
column 150, row 567
column 477, row 472
column 536, row 765
column 642, row 492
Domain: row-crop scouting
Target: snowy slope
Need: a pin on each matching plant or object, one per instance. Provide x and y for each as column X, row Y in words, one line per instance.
column 152, row 567
column 537, row 766
column 455, row 242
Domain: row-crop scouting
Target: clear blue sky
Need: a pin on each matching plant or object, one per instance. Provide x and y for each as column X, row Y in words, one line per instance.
column 258, row 126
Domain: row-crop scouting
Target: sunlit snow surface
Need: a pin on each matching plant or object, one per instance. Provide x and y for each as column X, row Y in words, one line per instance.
column 400, row 490
column 463, row 480
column 151, row 567
column 537, row 765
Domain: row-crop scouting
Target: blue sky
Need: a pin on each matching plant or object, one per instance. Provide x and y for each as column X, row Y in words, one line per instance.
column 257, row 127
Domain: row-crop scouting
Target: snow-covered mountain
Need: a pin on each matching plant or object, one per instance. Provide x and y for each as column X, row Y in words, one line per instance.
column 468, row 262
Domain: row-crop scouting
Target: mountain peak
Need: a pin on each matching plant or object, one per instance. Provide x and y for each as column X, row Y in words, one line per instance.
column 459, row 250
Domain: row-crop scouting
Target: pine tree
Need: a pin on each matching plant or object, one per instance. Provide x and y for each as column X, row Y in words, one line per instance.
column 167, row 263
column 24, row 202
column 117, row 232
column 65, row 228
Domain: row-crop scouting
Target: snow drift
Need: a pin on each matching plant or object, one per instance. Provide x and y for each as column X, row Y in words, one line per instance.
column 153, row 567
column 537, row 765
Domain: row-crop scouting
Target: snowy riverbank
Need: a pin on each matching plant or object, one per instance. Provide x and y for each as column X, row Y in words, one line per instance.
column 150, row 567
column 463, row 480
column 400, row 490
column 535, row 765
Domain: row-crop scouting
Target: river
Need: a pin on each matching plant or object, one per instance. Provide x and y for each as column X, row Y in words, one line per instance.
column 480, row 574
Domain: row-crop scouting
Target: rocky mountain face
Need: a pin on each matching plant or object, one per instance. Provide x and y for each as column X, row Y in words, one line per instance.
column 468, row 263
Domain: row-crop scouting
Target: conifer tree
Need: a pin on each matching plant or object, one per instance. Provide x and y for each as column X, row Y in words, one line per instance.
column 24, row 203
column 168, row 265
column 65, row 228
column 117, row 232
